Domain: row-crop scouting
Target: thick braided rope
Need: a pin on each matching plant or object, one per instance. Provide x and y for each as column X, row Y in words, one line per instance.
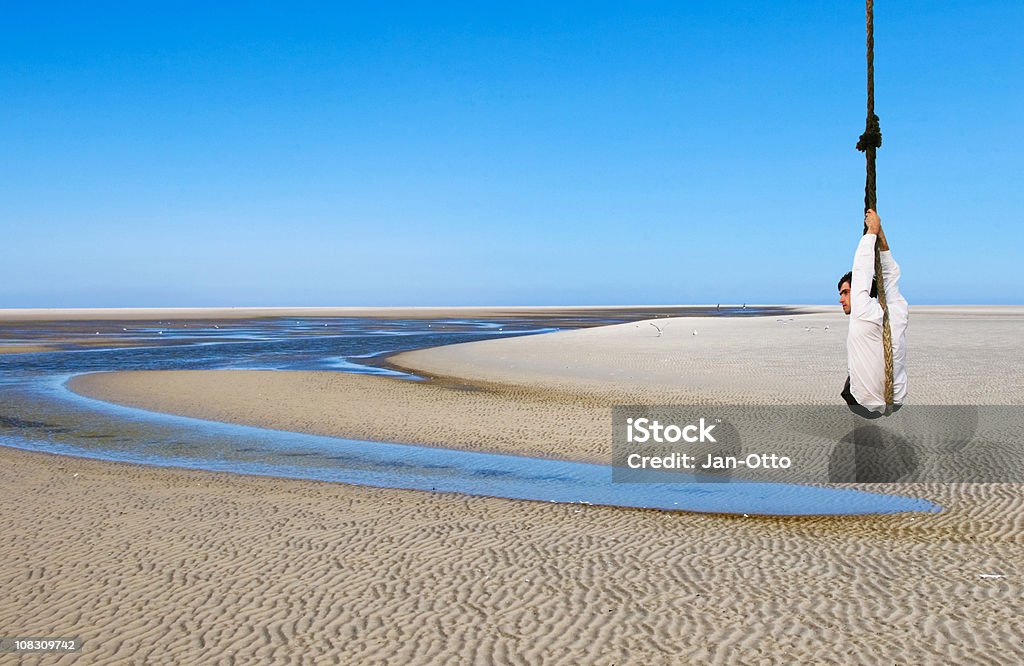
column 870, row 141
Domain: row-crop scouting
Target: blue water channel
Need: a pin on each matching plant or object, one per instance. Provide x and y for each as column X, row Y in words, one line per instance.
column 38, row 413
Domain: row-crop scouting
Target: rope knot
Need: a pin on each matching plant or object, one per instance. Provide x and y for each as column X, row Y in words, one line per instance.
column 872, row 136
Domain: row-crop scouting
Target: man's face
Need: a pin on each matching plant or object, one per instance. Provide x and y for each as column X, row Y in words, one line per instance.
column 844, row 297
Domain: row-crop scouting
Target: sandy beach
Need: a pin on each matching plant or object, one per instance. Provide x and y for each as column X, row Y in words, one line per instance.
column 518, row 395
column 167, row 566
column 171, row 566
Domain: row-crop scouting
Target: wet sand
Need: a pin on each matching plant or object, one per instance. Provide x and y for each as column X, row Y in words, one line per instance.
column 173, row 566
column 25, row 348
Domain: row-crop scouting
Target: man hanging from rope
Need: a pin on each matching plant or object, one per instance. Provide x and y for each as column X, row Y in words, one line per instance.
column 865, row 386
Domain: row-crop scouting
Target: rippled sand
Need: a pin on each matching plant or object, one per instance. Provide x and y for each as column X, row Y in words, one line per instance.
column 170, row 566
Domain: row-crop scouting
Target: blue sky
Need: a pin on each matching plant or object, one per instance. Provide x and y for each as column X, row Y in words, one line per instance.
column 204, row 154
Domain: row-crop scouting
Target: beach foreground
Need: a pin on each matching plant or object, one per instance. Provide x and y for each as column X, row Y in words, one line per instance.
column 164, row 565
column 152, row 565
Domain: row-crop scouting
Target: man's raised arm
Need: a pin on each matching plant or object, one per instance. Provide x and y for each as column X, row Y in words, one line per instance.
column 862, row 306
column 890, row 269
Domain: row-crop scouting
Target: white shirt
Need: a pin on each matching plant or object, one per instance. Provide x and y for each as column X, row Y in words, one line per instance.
column 865, row 356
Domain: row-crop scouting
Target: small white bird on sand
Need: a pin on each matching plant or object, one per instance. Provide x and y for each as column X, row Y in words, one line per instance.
column 695, row 331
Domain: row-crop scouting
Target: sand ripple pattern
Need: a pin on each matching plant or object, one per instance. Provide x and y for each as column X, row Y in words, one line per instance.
column 162, row 566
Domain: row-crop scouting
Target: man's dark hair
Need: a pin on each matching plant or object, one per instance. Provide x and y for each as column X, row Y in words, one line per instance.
column 849, row 278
